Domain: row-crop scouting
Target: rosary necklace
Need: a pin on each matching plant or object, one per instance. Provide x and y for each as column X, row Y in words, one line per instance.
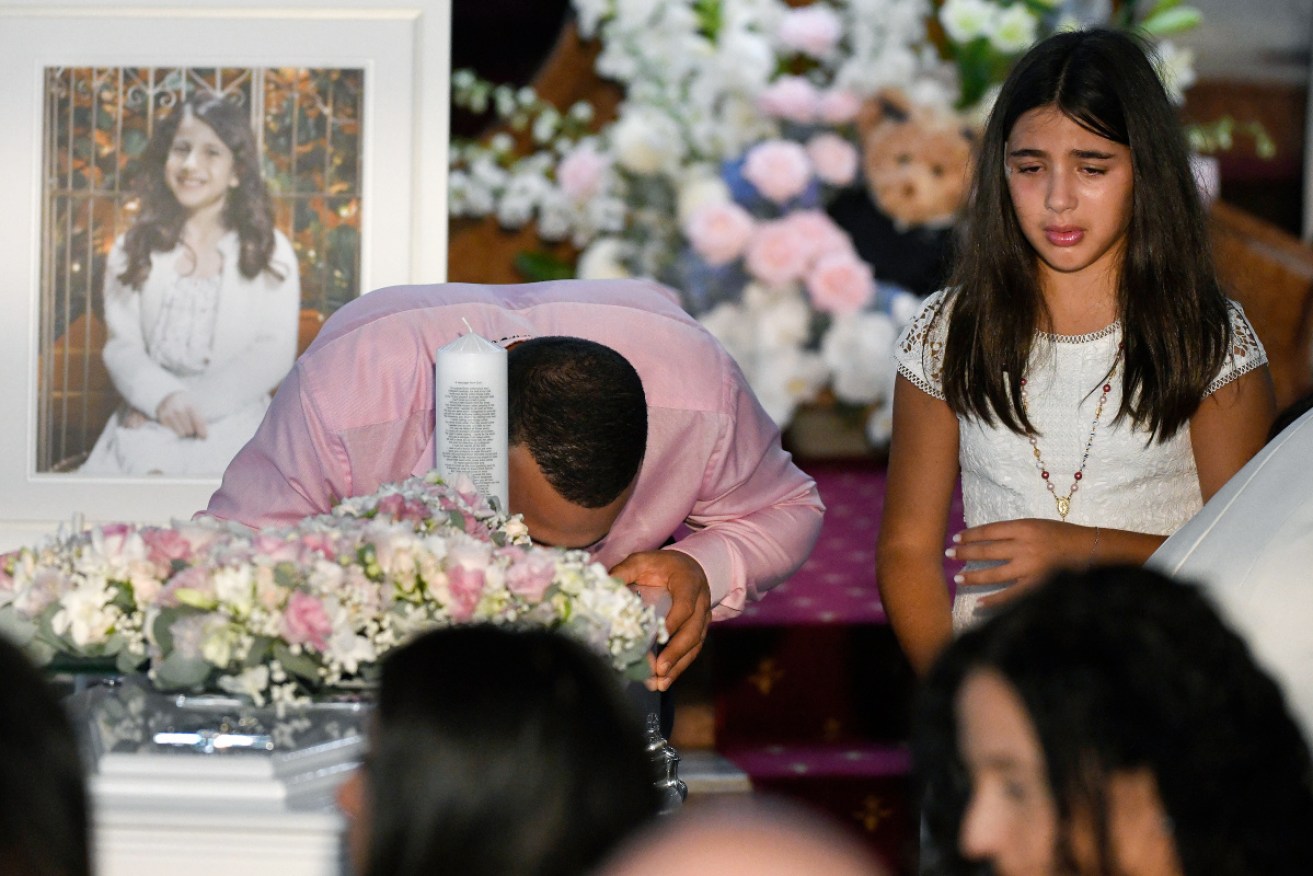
column 1064, row 502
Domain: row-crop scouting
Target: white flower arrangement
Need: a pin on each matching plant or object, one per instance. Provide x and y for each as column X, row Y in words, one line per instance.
column 737, row 128
column 279, row 615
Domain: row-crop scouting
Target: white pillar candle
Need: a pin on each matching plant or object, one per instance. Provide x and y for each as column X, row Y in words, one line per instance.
column 470, row 412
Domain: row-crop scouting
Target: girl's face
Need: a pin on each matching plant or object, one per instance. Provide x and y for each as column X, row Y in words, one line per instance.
column 1071, row 190
column 1011, row 820
column 200, row 169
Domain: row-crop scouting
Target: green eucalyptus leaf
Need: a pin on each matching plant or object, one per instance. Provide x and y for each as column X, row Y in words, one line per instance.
column 127, row 662
column 176, row 672
column 301, row 665
column 539, row 266
column 1172, row 21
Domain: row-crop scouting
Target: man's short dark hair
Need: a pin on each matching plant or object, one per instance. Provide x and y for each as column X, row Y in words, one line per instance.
column 579, row 408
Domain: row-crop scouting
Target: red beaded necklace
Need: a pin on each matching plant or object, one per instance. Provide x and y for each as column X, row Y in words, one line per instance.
column 1064, row 502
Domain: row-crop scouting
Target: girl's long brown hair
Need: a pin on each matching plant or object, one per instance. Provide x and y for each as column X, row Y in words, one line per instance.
column 1174, row 316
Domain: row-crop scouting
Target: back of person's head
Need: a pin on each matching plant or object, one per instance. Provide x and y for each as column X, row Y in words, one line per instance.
column 1122, row 670
column 763, row 837
column 1173, row 311
column 499, row 752
column 579, row 408
column 43, row 800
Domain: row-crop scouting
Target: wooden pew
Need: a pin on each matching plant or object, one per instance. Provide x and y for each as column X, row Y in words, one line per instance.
column 1270, row 272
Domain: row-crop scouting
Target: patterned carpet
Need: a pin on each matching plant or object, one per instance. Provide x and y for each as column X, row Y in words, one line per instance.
column 812, row 694
column 837, row 583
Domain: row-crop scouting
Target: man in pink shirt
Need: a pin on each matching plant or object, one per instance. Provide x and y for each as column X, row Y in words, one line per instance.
column 356, row 411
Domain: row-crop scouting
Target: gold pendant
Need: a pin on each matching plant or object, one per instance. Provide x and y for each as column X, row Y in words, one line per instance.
column 1064, row 505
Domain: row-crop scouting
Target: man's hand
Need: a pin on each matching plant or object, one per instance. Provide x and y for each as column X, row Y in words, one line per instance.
column 679, row 575
column 180, row 414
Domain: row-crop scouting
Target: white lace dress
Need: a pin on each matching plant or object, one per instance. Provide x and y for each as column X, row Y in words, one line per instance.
column 1127, row 483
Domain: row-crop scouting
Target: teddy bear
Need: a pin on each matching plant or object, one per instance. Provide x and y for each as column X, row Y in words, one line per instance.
column 916, row 163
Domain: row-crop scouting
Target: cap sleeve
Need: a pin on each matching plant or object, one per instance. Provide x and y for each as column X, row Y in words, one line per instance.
column 1246, row 352
column 920, row 349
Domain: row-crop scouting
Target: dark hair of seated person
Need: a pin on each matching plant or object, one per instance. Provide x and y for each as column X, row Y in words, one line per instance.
column 1289, row 414
column 579, row 408
column 497, row 752
column 43, row 799
column 1122, row 669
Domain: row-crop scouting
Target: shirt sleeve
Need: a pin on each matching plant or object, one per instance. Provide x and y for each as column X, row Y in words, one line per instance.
column 758, row 515
column 1245, row 354
column 292, row 468
column 919, row 352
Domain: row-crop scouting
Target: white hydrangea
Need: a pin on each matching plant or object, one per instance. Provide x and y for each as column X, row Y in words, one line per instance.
column 857, row 352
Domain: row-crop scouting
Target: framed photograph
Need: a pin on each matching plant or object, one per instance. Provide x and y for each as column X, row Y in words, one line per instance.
column 192, row 191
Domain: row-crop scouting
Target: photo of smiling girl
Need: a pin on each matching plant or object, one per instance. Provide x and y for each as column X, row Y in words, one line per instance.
column 1084, row 373
column 201, row 299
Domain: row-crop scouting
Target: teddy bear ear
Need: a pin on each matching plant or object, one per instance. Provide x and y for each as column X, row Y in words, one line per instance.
column 887, row 104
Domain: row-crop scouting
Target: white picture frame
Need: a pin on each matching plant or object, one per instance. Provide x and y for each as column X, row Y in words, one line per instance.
column 404, row 51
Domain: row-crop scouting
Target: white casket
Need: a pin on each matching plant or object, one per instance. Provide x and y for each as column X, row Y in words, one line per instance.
column 210, row 785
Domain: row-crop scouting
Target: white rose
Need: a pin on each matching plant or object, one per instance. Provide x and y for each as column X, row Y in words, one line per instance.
column 785, row 378
column 858, row 350
column 604, row 260
column 964, row 20
column 1014, row 29
column 699, row 189
column 84, row 616
column 646, row 142
column 252, row 682
column 235, row 588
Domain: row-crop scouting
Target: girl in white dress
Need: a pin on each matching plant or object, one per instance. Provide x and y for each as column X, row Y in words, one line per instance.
column 1084, row 372
column 201, row 298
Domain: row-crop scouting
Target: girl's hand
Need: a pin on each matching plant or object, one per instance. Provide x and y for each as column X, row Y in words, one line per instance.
column 133, row 419
column 180, row 414
column 1026, row 551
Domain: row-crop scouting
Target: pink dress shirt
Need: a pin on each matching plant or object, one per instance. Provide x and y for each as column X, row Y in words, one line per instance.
column 356, row 411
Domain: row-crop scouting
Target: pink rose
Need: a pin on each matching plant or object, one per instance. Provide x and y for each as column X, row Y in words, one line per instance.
column 838, row 107
column 46, row 587
column 163, row 546
column 840, row 283
column 194, row 578
column 817, row 234
column 114, row 538
column 775, row 255
column 719, row 231
column 466, row 587
column 580, row 173
column 779, row 169
column 321, row 544
column 199, row 536
column 790, row 97
column 813, row 30
column 834, row 158
column 399, row 508
column 275, row 547
column 530, row 577
column 305, row 622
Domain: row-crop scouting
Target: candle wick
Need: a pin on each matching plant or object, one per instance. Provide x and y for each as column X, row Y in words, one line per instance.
column 467, row 325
